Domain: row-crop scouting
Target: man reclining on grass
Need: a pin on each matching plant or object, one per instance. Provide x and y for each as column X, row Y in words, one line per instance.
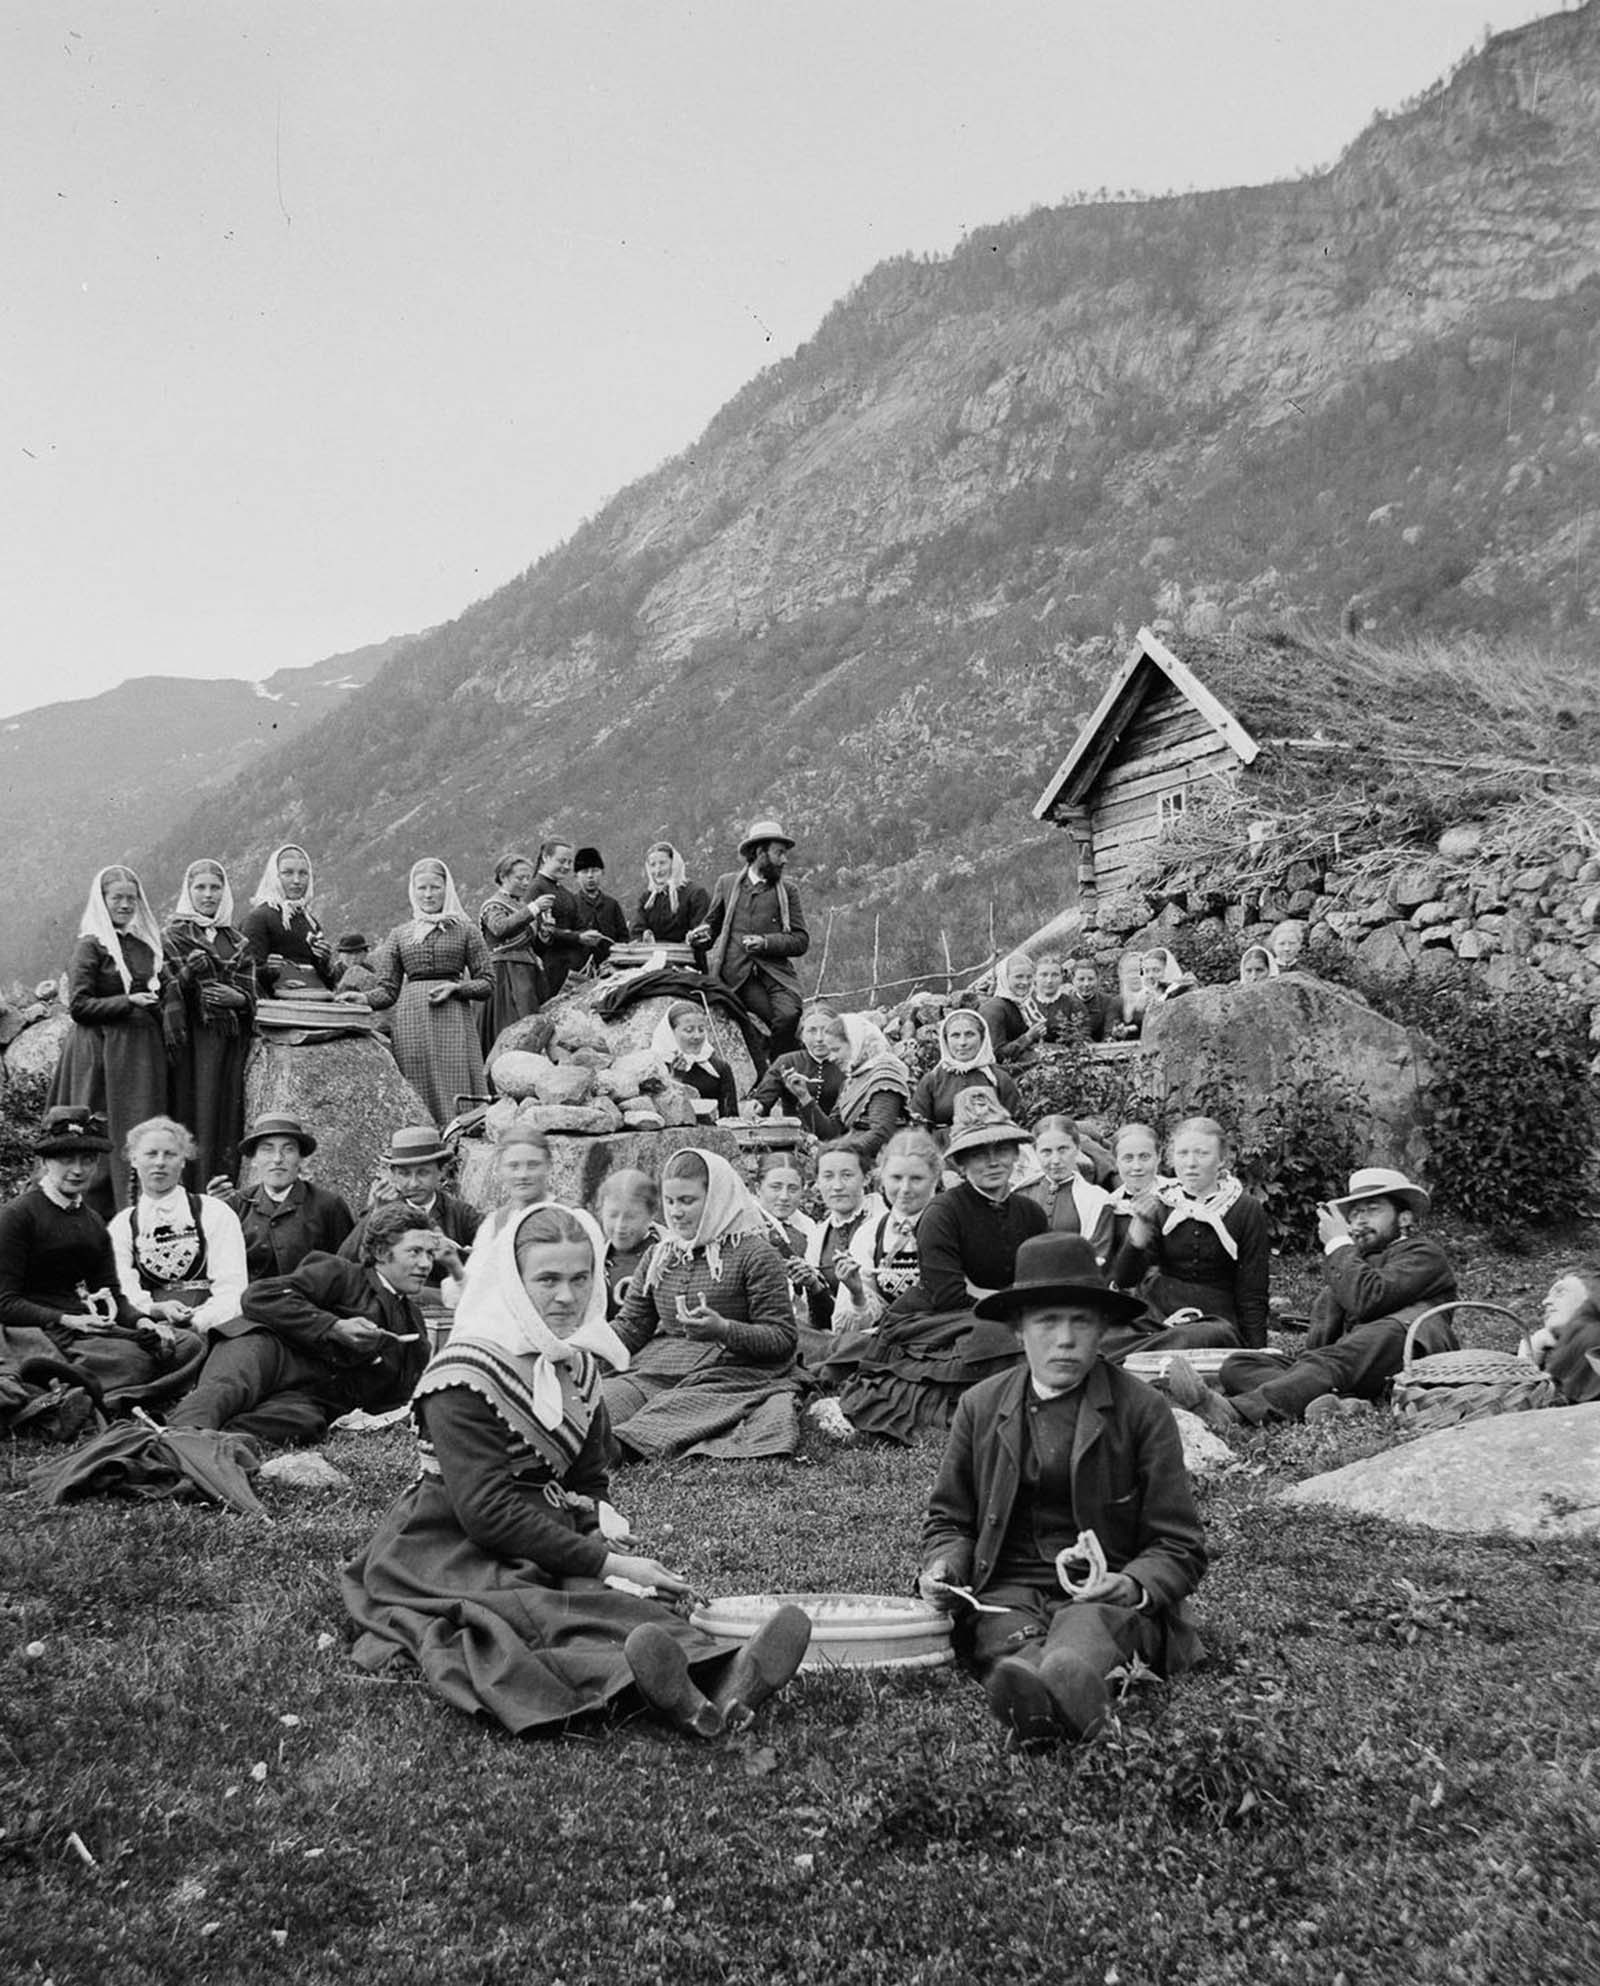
column 1379, row 1278
column 1040, row 1459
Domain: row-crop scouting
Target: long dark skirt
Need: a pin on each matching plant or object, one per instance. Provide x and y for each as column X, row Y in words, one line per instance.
column 910, row 1372
column 496, row 1635
column 519, row 990
column 208, row 1096
column 120, row 1070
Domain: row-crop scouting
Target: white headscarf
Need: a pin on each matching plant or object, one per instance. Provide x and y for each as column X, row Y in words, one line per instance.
column 185, row 909
column 270, row 888
column 425, row 921
column 497, row 1312
column 1261, row 951
column 730, row 1210
column 677, row 877
column 1024, row 1002
column 665, row 1043
column 96, row 923
column 982, row 1058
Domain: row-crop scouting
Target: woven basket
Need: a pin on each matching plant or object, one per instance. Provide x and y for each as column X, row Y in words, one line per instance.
column 1444, row 1387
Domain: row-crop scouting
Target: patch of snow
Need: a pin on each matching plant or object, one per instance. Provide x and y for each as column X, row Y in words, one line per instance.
column 268, row 696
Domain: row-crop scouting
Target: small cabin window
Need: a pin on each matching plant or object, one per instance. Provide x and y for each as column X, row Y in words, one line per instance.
column 1172, row 806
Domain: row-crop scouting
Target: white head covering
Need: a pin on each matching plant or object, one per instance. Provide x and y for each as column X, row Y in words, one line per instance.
column 497, row 1312
column 731, row 1209
column 424, row 922
column 982, row 1057
column 677, row 877
column 1025, row 1002
column 664, row 1042
column 96, row 923
column 185, row 909
column 1261, row 951
column 270, row 888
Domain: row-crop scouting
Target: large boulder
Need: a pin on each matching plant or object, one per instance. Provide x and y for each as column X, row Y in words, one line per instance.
column 632, row 1028
column 1535, row 1475
column 37, row 1050
column 348, row 1092
column 1258, row 1043
column 579, row 1166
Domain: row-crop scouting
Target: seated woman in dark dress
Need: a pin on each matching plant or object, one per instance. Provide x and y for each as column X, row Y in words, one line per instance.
column 1206, row 1240
column 59, row 1293
column 1015, row 1023
column 966, row 1058
column 682, row 1040
column 808, row 1078
column 929, row 1348
column 671, row 906
column 874, row 1093
column 491, row 1572
column 282, row 931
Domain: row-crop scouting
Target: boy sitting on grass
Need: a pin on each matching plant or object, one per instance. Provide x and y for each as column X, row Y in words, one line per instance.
column 1037, row 1458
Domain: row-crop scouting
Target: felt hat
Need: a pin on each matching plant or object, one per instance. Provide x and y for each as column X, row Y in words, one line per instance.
column 70, row 1127
column 759, row 833
column 415, row 1144
column 588, row 858
column 1382, row 1182
column 278, row 1127
column 352, row 941
column 1058, row 1268
column 981, row 1121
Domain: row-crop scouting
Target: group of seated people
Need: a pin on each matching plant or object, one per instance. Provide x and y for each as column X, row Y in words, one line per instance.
column 993, row 1283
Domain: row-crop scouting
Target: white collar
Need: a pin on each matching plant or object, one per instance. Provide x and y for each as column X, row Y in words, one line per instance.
column 65, row 1201
column 164, row 1203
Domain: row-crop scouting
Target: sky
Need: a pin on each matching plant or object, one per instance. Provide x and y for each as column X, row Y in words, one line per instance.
column 320, row 320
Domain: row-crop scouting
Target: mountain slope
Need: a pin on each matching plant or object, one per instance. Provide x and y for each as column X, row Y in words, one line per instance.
column 877, row 594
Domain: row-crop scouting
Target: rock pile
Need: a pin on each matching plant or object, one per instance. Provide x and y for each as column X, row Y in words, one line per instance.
column 564, row 1071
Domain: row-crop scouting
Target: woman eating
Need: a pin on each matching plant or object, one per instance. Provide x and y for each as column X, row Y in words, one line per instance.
column 966, row 1059
column 180, row 1255
column 709, row 1327
column 512, row 923
column 1197, row 1248
column 215, row 976
column 874, row 1091
column 490, row 1573
column 808, row 1077
column 114, row 1060
column 671, row 906
column 285, row 939
column 429, row 971
column 1011, row 1015
column 880, row 1262
column 682, row 1040
column 847, row 1208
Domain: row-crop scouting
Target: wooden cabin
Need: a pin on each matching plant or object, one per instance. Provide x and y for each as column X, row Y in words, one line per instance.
column 1157, row 734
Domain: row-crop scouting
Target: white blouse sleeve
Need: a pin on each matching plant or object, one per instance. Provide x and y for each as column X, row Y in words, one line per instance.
column 225, row 1265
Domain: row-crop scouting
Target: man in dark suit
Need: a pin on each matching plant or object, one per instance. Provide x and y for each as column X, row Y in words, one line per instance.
column 331, row 1337
column 1040, row 1459
column 285, row 1218
column 414, row 1167
column 755, row 930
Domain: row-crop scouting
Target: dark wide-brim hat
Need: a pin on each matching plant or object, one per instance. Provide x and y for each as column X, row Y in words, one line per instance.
column 352, row 941
column 278, row 1127
column 66, row 1128
column 1058, row 1268
column 416, row 1144
column 759, row 833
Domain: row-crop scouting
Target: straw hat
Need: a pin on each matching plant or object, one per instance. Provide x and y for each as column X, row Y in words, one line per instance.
column 981, row 1121
column 1382, row 1182
column 416, row 1144
column 759, row 833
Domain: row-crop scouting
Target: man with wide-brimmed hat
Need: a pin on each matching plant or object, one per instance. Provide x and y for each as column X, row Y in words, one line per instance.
column 1379, row 1275
column 1038, row 1459
column 413, row 1169
column 285, row 1217
column 755, row 930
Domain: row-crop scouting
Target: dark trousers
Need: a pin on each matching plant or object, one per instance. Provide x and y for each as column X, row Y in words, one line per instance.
column 1040, row 1620
column 1359, row 1365
column 1203, row 1333
column 260, row 1386
column 778, row 1010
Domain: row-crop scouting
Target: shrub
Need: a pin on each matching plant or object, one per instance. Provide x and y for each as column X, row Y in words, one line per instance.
column 21, row 1107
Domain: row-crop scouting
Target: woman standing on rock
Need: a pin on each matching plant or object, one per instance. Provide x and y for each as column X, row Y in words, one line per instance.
column 671, row 906
column 114, row 1059
column 512, row 924
column 428, row 970
column 285, row 939
column 215, row 985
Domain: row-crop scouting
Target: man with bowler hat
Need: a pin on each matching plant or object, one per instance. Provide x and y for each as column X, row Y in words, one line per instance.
column 284, row 1216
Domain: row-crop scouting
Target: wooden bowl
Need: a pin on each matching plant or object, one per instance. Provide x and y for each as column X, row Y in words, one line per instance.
column 848, row 1630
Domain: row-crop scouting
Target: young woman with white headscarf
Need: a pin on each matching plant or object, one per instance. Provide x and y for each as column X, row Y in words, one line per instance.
column 1012, row 1015
column 429, row 970
column 215, row 976
column 489, row 1573
column 285, row 939
column 966, row 1059
column 114, row 1060
column 682, row 1039
column 874, row 1089
column 709, row 1325
column 671, row 906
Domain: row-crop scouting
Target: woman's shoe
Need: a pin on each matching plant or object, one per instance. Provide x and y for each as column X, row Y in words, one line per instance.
column 661, row 1671
column 763, row 1665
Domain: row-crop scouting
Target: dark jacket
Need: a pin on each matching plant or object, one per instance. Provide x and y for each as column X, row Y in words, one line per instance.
column 298, row 939
column 280, row 1234
column 1193, row 1268
column 1004, row 1020
column 1400, row 1282
column 605, row 915
column 933, row 1101
column 454, row 1219
column 303, row 1308
column 741, row 908
column 666, row 925
column 1129, row 1484
column 772, row 1096
column 562, row 952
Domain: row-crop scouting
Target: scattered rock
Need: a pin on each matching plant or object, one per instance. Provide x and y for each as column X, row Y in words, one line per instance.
column 37, row 1050
column 1411, row 887
column 1204, row 1453
column 1387, row 953
column 566, row 1083
column 574, row 1120
column 1536, row 1475
column 304, row 1468
column 517, row 1072
column 530, row 1037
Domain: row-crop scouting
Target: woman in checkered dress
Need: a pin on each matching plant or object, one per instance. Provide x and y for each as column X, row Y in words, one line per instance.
column 430, row 970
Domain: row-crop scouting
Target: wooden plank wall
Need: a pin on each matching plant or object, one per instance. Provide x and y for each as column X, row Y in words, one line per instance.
column 1167, row 746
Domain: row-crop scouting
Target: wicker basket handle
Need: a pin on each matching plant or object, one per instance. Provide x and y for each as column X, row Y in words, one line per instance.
column 1455, row 1304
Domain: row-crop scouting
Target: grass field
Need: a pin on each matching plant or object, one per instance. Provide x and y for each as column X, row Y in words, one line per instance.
column 1389, row 1771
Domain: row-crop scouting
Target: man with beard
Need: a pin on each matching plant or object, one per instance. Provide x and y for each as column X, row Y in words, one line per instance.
column 1379, row 1276
column 755, row 930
